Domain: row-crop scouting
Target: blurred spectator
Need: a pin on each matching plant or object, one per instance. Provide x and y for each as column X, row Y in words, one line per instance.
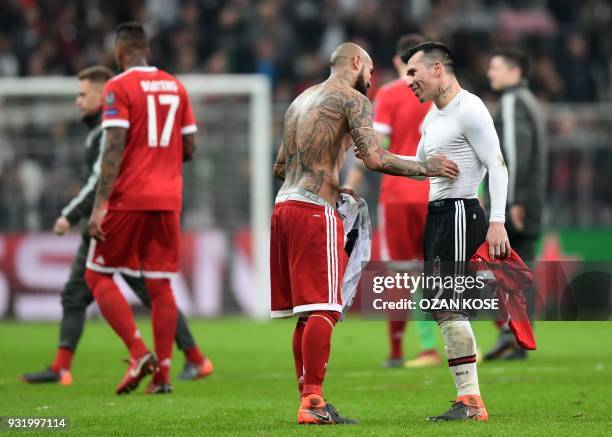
column 576, row 69
column 290, row 41
column 9, row 65
column 547, row 82
column 278, row 37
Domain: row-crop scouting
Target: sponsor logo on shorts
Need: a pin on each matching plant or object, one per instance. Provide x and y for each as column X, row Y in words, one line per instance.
column 436, row 265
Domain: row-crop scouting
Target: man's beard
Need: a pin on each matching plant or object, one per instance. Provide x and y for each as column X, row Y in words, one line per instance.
column 361, row 85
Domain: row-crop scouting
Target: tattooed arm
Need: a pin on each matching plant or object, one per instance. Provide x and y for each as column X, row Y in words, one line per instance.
column 357, row 173
column 279, row 166
column 358, row 110
column 111, row 161
column 420, row 156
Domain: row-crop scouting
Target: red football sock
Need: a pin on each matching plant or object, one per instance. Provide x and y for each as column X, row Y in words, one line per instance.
column 116, row 311
column 63, row 359
column 396, row 338
column 194, row 355
column 316, row 344
column 162, row 374
column 164, row 314
column 297, row 352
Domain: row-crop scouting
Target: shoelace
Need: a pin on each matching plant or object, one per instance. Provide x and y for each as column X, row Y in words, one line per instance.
column 332, row 410
column 336, row 416
column 456, row 406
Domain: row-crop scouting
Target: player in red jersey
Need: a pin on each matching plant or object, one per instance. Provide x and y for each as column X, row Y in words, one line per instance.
column 402, row 202
column 149, row 128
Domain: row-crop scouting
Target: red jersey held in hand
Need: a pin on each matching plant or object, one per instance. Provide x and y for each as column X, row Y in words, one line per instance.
column 399, row 114
column 512, row 277
column 155, row 109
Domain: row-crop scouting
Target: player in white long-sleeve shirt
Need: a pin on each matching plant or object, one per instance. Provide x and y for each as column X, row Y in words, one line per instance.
column 459, row 127
column 463, row 131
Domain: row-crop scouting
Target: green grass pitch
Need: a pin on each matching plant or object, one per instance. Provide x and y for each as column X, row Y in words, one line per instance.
column 565, row 388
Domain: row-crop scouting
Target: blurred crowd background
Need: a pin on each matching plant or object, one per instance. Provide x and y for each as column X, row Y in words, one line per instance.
column 290, row 41
column 570, row 44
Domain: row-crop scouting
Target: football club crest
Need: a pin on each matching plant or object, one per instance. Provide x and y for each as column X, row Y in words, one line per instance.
column 436, row 266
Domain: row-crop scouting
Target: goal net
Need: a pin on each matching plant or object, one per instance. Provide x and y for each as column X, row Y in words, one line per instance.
column 227, row 194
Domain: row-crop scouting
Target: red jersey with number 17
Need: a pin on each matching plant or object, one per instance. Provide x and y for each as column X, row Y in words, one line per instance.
column 398, row 113
column 154, row 107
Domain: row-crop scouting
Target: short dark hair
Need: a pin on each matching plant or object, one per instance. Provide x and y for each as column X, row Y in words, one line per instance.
column 132, row 35
column 95, row 73
column 432, row 51
column 514, row 57
column 407, row 41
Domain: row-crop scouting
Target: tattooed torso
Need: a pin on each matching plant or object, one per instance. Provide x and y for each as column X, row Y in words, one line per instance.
column 316, row 137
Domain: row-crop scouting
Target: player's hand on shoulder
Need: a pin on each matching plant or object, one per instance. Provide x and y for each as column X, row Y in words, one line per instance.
column 61, row 226
column 497, row 239
column 440, row 166
column 95, row 224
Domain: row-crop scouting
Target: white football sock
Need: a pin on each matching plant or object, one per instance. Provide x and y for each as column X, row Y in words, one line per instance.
column 460, row 346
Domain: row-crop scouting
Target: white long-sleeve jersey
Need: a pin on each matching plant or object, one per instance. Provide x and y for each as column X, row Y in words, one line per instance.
column 463, row 131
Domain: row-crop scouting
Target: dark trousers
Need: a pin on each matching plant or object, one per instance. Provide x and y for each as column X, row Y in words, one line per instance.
column 76, row 297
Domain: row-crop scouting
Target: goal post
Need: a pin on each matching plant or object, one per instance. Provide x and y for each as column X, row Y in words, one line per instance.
column 258, row 90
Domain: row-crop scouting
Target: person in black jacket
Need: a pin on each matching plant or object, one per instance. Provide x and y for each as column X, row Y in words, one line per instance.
column 76, row 296
column 520, row 125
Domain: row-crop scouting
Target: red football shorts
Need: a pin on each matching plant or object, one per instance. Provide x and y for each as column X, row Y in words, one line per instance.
column 402, row 227
column 307, row 258
column 138, row 243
